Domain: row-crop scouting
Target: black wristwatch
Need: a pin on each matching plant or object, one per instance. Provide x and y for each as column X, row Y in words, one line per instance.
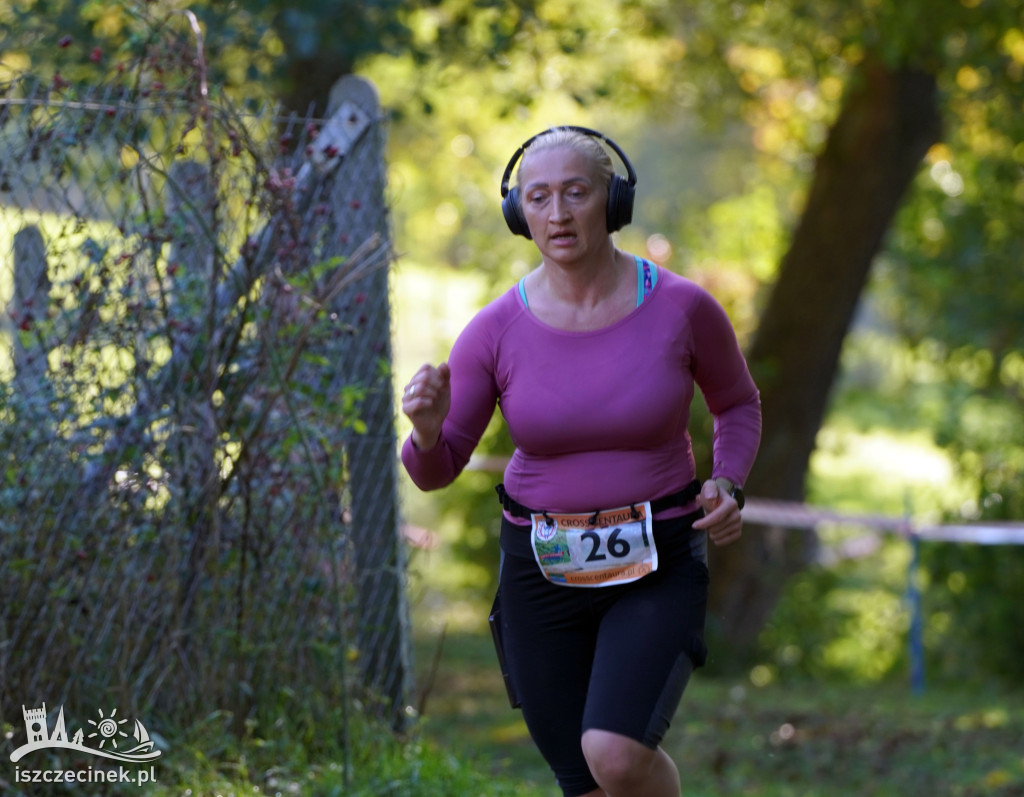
column 733, row 490
column 741, row 499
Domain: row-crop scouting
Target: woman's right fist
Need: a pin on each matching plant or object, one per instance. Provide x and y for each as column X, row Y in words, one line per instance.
column 426, row 401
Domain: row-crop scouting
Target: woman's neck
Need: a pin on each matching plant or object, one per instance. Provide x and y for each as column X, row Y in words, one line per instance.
column 583, row 299
column 587, row 285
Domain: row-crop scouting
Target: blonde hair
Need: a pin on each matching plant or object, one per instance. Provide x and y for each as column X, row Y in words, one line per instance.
column 587, row 146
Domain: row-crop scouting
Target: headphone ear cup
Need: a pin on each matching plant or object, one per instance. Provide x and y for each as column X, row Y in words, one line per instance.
column 620, row 203
column 513, row 213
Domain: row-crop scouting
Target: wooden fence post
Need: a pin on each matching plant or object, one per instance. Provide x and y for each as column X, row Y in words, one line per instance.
column 359, row 212
column 30, row 303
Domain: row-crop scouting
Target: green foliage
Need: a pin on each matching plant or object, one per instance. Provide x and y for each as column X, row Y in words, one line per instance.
column 362, row 760
column 208, row 758
column 973, row 609
column 844, row 623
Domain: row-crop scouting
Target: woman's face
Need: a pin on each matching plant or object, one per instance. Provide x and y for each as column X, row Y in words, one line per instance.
column 564, row 204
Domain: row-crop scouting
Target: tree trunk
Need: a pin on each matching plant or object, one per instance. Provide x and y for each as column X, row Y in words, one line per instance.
column 888, row 122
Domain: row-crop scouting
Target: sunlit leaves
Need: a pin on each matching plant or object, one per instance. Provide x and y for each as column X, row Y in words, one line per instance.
column 1012, row 44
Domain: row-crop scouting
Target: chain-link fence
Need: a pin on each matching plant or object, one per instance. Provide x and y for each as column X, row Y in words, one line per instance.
column 197, row 470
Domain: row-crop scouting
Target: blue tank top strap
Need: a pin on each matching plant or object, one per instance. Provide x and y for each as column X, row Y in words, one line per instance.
column 646, row 279
column 522, row 291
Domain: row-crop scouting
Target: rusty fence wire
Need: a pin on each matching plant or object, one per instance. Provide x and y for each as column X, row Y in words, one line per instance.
column 197, row 471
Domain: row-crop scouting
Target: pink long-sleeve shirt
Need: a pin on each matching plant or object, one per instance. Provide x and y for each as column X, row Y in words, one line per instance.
column 599, row 418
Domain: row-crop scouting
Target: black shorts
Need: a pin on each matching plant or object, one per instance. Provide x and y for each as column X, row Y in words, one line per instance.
column 610, row 658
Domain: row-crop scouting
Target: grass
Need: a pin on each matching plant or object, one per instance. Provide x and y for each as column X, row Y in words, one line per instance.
column 733, row 738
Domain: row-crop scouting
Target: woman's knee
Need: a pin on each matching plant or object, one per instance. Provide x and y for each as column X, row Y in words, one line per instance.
column 616, row 761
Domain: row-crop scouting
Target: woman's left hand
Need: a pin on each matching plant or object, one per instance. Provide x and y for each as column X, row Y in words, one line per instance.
column 722, row 518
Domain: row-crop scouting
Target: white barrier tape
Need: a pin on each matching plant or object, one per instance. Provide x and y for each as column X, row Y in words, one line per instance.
column 980, row 534
column 790, row 514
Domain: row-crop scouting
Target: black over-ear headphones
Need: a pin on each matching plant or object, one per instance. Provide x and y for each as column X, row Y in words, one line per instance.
column 620, row 190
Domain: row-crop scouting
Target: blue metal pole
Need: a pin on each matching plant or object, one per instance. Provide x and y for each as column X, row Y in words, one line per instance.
column 916, row 618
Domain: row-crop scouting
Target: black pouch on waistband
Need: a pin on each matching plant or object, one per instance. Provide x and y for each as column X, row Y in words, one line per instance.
column 494, row 620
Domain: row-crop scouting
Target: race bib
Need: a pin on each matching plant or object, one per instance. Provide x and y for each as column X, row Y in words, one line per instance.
column 614, row 546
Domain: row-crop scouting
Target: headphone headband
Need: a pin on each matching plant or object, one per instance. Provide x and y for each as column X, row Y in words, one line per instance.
column 507, row 176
